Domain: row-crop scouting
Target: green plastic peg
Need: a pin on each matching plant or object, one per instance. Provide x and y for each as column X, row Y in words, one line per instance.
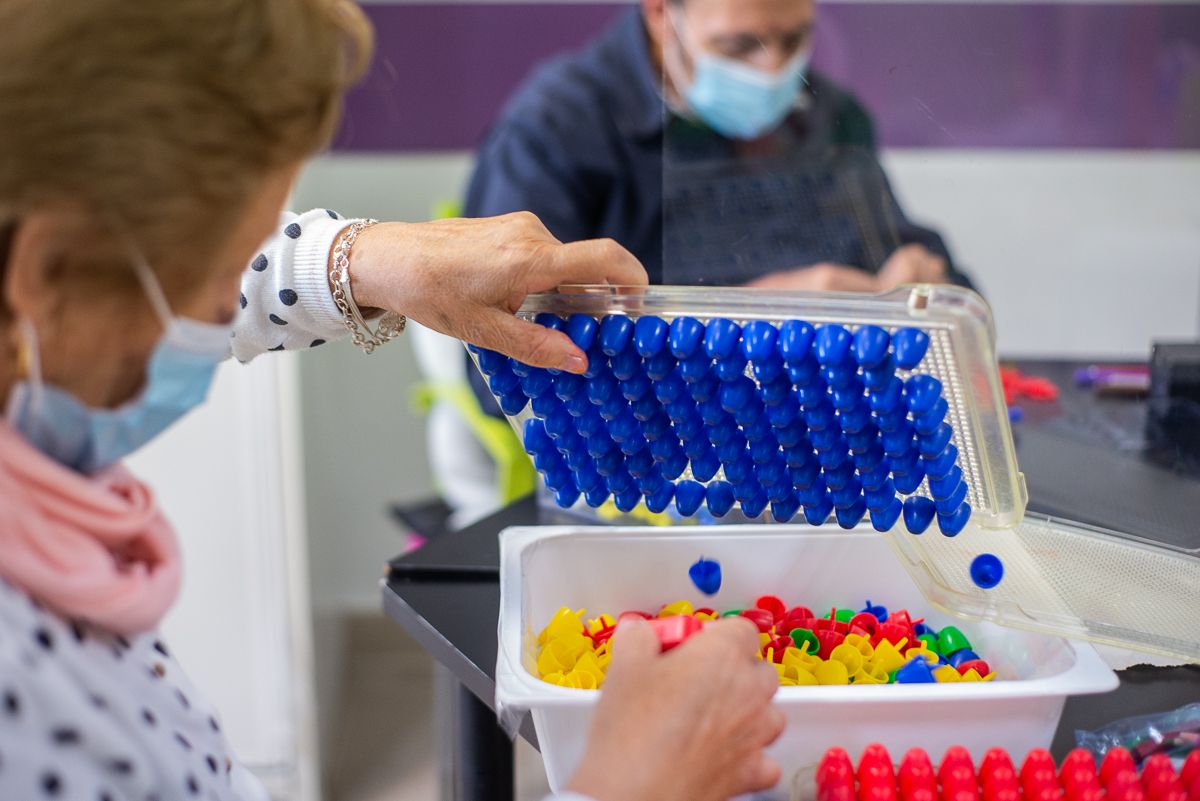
column 951, row 640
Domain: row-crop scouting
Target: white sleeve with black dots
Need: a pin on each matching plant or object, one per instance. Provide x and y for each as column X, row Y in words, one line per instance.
column 286, row 303
column 86, row 715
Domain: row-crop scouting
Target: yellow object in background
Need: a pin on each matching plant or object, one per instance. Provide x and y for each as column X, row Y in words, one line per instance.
column 831, row 673
column 863, row 644
column 946, row 674
column 929, row 656
column 565, row 621
column 849, row 656
column 677, row 608
column 887, row 658
column 870, row 675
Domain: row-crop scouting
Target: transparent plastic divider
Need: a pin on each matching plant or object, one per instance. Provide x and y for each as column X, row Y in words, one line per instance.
column 1068, row 579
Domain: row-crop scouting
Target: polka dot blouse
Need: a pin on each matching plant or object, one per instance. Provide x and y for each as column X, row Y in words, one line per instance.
column 87, row 715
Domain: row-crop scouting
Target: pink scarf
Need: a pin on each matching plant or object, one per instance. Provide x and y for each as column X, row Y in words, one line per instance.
column 91, row 548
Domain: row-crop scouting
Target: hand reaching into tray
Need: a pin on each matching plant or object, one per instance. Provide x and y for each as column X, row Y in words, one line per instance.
column 688, row 725
column 467, row 278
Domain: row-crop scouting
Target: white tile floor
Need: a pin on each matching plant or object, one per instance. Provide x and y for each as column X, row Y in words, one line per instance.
column 386, row 744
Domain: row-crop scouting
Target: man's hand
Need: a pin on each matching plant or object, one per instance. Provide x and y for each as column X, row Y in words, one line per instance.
column 688, row 725
column 912, row 264
column 824, row 277
column 908, row 264
column 468, row 277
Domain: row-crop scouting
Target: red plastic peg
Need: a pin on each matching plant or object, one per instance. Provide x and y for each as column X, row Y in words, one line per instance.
column 778, row 646
column 916, row 774
column 835, row 777
column 800, row 612
column 1038, row 777
column 603, row 635
column 994, row 762
column 894, row 633
column 1116, row 761
column 1159, row 779
column 772, row 604
column 955, row 757
column 1078, row 775
column 960, row 784
column 1190, row 771
column 978, row 665
column 865, row 621
column 875, row 767
column 829, row 640
column 835, row 767
column 883, row 791
column 998, row 777
column 674, row 630
column 1125, row 786
column 760, row 617
column 836, row 792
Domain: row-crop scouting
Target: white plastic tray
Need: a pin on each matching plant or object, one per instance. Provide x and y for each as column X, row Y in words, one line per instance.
column 614, row 569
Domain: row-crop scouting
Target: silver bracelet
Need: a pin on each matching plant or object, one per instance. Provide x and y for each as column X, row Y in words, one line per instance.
column 390, row 325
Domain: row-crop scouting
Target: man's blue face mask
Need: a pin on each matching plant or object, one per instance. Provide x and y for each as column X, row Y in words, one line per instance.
column 178, row 377
column 739, row 101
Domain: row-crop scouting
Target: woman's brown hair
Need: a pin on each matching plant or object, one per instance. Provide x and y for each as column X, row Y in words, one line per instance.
column 163, row 114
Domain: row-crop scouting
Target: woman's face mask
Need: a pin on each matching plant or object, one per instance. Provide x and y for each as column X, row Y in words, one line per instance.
column 178, row 377
column 739, row 101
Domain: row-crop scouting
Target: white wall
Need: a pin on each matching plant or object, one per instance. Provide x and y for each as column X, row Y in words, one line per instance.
column 1079, row 252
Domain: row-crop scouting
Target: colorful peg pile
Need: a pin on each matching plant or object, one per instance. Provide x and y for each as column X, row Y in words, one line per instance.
column 794, row 417
column 998, row 778
column 842, row 647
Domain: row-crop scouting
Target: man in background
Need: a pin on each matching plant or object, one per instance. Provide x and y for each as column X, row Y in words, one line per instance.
column 695, row 133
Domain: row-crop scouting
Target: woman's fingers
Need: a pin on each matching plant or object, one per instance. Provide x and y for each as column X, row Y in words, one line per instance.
column 633, row 644
column 593, row 261
column 531, row 343
column 758, row 772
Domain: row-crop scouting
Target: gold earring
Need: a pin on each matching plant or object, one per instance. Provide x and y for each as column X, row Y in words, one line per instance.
column 23, row 353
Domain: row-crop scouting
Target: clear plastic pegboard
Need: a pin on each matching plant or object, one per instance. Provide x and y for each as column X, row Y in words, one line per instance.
column 774, row 405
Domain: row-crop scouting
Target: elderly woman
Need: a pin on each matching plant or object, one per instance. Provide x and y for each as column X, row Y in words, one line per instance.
column 146, row 149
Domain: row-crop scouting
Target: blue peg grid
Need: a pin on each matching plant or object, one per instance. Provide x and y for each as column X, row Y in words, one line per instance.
column 791, row 421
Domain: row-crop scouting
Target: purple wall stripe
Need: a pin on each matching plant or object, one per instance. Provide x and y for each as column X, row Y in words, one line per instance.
column 959, row 75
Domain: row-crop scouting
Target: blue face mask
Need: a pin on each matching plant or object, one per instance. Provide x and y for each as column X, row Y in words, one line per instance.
column 739, row 101
column 178, row 377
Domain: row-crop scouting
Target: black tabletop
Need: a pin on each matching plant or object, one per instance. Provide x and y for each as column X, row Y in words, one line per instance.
column 1084, row 458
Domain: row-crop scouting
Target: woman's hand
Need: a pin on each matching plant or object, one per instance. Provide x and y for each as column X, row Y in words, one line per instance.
column 688, row 725
column 467, row 278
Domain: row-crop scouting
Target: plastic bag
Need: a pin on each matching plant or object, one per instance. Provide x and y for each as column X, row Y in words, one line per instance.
column 1175, row 733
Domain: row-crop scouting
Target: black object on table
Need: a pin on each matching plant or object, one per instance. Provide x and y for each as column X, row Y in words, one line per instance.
column 1085, row 458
